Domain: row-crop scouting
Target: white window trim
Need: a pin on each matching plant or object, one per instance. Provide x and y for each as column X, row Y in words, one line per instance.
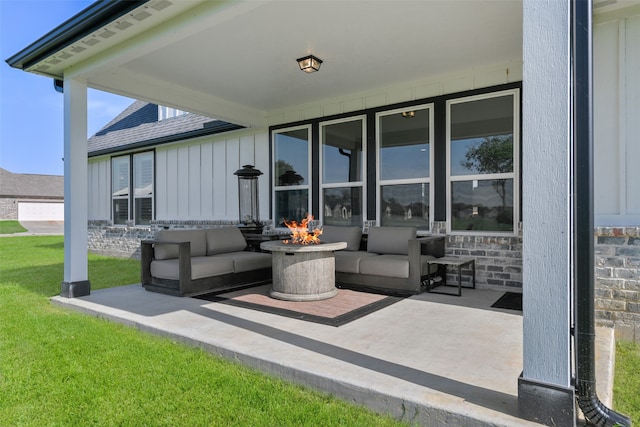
column 277, row 188
column 132, row 214
column 361, row 183
column 428, row 180
column 127, row 197
column 131, row 197
column 515, row 175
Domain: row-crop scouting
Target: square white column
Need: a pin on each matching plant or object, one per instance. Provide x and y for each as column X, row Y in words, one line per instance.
column 76, row 276
column 545, row 391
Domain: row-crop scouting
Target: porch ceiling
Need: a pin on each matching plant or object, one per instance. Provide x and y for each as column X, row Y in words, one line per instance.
column 236, row 60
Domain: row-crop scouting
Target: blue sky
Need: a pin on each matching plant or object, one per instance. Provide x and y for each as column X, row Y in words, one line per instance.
column 31, row 111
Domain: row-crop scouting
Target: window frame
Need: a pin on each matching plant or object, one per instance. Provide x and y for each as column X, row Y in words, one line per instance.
column 362, row 183
column 131, row 197
column 132, row 214
column 514, row 174
column 276, row 188
column 425, row 180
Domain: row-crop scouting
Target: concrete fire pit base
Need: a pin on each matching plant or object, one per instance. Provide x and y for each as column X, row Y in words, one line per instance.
column 303, row 272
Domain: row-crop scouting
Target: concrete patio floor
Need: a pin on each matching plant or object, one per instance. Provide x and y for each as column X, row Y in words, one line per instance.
column 429, row 359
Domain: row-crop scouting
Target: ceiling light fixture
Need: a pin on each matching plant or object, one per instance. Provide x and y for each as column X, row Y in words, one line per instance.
column 309, row 64
column 408, row 114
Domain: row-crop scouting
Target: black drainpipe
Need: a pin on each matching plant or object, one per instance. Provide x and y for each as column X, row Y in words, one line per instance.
column 595, row 412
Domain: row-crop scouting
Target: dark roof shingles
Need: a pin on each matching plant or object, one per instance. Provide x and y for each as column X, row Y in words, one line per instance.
column 20, row 185
column 139, row 124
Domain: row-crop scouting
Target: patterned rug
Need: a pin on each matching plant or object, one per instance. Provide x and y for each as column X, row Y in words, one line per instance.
column 345, row 307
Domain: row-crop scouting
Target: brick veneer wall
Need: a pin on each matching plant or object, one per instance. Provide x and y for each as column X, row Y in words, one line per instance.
column 617, row 280
column 9, row 209
column 124, row 241
column 498, row 258
column 498, row 262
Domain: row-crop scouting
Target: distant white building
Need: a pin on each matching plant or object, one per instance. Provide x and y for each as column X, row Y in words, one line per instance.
column 31, row 197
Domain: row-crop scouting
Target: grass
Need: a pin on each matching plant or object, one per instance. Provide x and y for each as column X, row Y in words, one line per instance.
column 62, row 368
column 626, row 383
column 11, row 227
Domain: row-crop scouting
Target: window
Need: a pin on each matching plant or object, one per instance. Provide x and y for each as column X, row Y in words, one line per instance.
column 120, row 189
column 168, row 112
column 482, row 162
column 292, row 172
column 143, row 188
column 404, row 167
column 139, row 169
column 343, row 161
column 391, row 165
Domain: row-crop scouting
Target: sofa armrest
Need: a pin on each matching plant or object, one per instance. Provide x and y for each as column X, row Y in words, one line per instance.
column 146, row 256
column 415, row 260
column 432, row 245
column 184, row 261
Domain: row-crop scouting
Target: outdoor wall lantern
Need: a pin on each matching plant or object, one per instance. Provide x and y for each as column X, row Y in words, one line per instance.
column 249, row 215
column 309, row 64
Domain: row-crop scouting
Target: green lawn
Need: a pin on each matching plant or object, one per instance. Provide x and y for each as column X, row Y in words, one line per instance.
column 62, row 368
column 11, row 227
column 626, row 384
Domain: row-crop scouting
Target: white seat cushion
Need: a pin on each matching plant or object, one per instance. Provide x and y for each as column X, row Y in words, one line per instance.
column 386, row 266
column 200, row 267
column 349, row 262
column 247, row 261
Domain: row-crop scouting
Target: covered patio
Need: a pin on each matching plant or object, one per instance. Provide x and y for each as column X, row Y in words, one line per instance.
column 427, row 360
column 236, row 61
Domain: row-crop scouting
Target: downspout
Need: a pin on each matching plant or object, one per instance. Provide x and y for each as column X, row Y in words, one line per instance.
column 595, row 412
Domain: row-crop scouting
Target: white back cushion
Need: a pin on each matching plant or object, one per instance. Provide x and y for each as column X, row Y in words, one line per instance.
column 196, row 237
column 390, row 240
column 225, row 239
column 335, row 233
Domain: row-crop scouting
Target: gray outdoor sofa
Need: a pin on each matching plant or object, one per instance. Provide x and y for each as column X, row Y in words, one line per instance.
column 389, row 260
column 191, row 262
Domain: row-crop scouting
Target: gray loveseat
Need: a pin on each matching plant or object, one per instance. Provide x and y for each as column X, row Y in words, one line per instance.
column 390, row 259
column 191, row 262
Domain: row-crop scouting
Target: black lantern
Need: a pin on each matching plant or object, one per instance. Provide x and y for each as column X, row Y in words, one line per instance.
column 309, row 64
column 249, row 215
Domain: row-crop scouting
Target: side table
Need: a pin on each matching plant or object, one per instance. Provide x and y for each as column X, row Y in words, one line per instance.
column 456, row 263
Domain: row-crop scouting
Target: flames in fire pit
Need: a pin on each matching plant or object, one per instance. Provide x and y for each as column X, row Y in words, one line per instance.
column 300, row 234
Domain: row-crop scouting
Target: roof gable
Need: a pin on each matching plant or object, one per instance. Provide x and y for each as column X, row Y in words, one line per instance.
column 21, row 185
column 138, row 127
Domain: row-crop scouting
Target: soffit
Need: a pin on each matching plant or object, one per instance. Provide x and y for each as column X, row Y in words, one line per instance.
column 236, row 60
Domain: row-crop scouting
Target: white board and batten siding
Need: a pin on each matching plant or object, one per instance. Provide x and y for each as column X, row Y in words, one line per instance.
column 194, row 179
column 99, row 185
column 616, row 45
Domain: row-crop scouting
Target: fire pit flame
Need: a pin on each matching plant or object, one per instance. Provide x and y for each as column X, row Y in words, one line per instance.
column 300, row 234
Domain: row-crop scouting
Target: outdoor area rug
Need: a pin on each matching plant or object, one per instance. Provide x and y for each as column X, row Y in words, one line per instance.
column 510, row 301
column 345, row 307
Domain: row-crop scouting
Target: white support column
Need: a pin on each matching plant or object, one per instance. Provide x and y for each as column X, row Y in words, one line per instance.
column 545, row 393
column 76, row 276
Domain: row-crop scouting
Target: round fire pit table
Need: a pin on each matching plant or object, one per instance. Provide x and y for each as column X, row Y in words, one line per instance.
column 303, row 272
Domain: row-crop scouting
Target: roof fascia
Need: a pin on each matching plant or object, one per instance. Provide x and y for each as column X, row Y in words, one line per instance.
column 84, row 23
column 210, row 130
